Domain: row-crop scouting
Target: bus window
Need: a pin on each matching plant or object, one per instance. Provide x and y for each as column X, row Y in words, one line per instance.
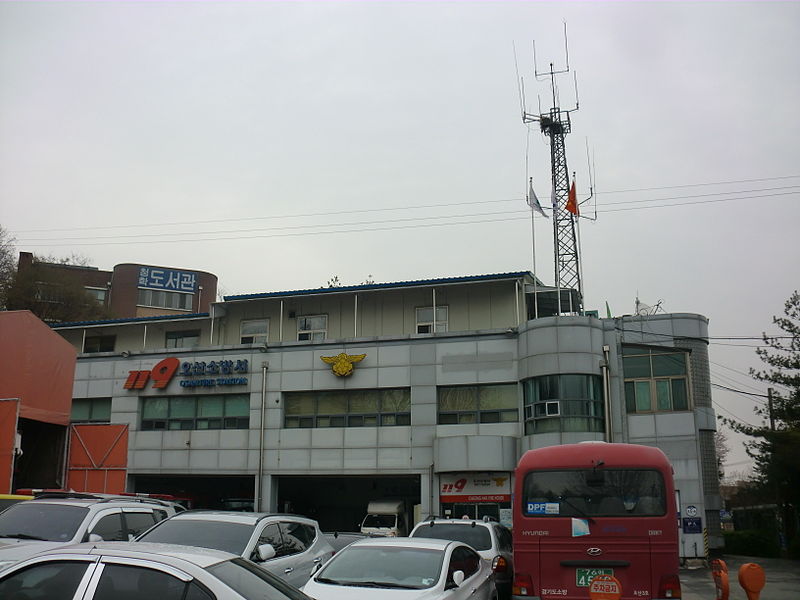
column 600, row 492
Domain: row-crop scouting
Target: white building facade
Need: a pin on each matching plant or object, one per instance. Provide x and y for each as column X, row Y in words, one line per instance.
column 318, row 401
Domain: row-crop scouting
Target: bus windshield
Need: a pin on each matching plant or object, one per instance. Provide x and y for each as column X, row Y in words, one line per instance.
column 596, row 492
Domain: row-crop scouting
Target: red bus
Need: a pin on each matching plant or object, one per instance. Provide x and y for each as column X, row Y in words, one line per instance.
column 595, row 508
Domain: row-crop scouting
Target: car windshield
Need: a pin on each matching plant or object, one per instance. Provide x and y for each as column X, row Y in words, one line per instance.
column 594, row 492
column 35, row 520
column 384, row 566
column 252, row 582
column 476, row 536
column 218, row 535
column 379, row 521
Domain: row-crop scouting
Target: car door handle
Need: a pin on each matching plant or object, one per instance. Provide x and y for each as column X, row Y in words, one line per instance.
column 318, row 559
column 289, row 570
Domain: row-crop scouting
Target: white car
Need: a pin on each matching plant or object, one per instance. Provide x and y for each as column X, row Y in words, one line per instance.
column 404, row 569
column 126, row 571
column 289, row 546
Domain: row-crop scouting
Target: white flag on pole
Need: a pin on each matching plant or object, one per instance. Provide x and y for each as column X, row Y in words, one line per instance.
column 533, row 201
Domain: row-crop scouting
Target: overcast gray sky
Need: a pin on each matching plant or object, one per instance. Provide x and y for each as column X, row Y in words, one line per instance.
column 234, row 137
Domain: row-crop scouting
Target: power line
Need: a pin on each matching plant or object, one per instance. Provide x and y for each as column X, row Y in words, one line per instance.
column 430, row 206
column 739, row 391
column 523, row 215
column 722, row 408
column 672, row 187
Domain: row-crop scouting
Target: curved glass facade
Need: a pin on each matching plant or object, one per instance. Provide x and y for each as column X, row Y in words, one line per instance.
column 563, row 403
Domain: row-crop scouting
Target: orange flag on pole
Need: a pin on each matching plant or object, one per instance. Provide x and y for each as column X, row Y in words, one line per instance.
column 572, row 201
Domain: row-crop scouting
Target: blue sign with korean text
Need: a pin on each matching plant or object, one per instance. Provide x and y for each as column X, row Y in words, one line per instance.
column 167, row 279
column 692, row 525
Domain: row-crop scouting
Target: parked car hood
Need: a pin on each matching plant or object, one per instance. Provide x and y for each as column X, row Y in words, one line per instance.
column 13, row 550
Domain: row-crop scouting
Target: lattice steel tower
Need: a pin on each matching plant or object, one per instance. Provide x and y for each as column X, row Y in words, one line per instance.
column 555, row 124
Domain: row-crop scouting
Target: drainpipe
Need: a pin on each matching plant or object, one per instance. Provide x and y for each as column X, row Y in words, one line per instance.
column 355, row 315
column 260, row 473
column 607, row 393
column 211, row 333
column 280, row 324
column 434, row 311
column 144, row 338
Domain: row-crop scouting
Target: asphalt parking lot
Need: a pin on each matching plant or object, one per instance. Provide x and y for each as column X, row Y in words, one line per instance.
column 783, row 579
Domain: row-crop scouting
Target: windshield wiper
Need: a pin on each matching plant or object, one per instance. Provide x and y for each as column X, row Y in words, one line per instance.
column 23, row 536
column 577, row 510
column 369, row 584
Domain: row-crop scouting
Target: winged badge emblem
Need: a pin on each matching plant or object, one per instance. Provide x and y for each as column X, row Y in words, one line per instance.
column 342, row 364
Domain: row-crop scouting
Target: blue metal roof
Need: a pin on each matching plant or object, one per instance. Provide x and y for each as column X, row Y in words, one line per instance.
column 378, row 286
column 130, row 320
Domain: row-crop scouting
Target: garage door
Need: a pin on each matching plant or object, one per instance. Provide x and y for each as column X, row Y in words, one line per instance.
column 98, row 458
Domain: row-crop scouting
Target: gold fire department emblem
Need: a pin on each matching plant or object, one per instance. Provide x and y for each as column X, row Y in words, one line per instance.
column 342, row 364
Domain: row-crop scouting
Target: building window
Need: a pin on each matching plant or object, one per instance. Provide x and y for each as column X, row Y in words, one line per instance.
column 227, row 411
column 656, row 379
column 254, row 332
column 425, row 322
column 99, row 343
column 494, row 403
column 313, row 328
column 563, row 403
column 347, row 408
column 164, row 299
column 91, row 410
column 183, row 339
column 97, row 293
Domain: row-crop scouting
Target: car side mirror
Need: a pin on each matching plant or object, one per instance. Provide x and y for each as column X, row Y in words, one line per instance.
column 456, row 581
column 266, row 551
column 94, row 537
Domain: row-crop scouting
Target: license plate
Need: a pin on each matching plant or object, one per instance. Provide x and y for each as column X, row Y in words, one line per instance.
column 583, row 577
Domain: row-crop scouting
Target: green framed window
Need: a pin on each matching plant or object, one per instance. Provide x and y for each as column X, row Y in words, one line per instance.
column 347, row 408
column 223, row 411
column 465, row 404
column 566, row 402
column 91, row 410
column 656, row 379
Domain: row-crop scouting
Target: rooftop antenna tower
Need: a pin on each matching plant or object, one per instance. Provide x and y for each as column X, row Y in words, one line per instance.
column 555, row 124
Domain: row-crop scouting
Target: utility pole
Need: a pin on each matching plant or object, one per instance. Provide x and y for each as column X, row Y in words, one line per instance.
column 778, row 502
column 555, row 124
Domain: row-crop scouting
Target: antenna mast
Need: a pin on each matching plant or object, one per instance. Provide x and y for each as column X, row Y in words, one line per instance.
column 555, row 124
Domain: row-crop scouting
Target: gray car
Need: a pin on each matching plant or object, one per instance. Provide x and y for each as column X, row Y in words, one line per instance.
column 289, row 546
column 489, row 538
column 125, row 571
column 59, row 519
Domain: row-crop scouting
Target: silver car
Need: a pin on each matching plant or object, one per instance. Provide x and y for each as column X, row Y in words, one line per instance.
column 58, row 519
column 288, row 546
column 125, row 571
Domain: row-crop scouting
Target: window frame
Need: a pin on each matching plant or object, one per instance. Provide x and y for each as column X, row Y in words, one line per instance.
column 311, row 333
column 101, row 343
column 433, row 325
column 146, row 297
column 186, row 422
column 179, row 335
column 93, row 404
column 561, row 403
column 348, row 418
column 255, row 338
column 632, row 384
column 443, row 417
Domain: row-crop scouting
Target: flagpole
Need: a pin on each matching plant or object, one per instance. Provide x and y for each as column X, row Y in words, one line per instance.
column 533, row 246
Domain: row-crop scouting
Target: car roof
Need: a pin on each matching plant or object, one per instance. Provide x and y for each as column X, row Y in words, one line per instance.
column 461, row 522
column 88, row 502
column 232, row 516
column 167, row 553
column 406, row 542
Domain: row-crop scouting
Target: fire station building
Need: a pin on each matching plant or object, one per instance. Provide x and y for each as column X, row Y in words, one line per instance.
column 317, row 401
